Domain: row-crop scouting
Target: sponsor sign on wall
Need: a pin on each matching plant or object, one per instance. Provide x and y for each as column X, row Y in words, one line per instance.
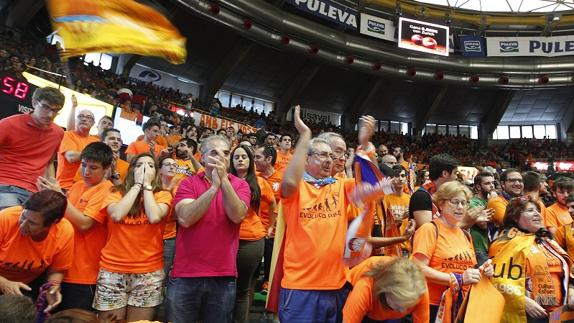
column 163, row 79
column 530, row 46
column 377, row 27
column 423, row 36
column 329, row 10
column 472, row 46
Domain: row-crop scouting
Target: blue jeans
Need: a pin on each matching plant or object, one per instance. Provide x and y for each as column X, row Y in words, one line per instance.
column 12, row 195
column 209, row 299
column 168, row 254
column 312, row 306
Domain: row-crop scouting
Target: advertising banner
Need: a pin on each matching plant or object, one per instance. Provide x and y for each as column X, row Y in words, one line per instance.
column 530, row 46
column 166, row 80
column 328, row 10
column 423, row 36
column 472, row 46
column 377, row 27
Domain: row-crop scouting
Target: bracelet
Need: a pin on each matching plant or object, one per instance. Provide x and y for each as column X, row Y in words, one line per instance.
column 140, row 186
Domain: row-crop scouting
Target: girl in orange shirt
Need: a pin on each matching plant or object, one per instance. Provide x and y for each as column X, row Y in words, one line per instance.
column 252, row 231
column 130, row 280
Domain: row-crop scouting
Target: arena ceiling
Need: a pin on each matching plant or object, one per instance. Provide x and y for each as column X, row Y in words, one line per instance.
column 220, row 56
column 286, row 77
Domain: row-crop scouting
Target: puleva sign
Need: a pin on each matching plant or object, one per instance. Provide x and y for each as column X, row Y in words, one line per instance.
column 328, row 10
column 530, row 46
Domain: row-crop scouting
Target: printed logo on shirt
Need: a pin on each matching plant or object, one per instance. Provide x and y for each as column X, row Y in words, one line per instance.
column 461, row 261
column 139, row 220
column 328, row 208
column 183, row 170
column 21, row 266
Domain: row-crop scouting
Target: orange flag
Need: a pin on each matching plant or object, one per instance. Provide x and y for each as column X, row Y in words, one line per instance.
column 115, row 26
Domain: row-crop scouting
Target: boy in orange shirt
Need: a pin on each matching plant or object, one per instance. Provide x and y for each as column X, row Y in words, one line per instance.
column 148, row 144
column 34, row 238
column 85, row 200
column 284, row 154
column 557, row 214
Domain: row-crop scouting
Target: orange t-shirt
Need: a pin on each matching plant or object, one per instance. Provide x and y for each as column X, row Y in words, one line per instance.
column 252, row 227
column 282, row 160
column 140, row 147
column 275, row 181
column 498, row 204
column 161, row 140
column 134, row 245
column 557, row 216
column 121, row 167
column 172, row 139
column 556, row 272
column 23, row 259
column 88, row 244
column 316, row 221
column 170, row 224
column 184, row 169
column 267, row 198
column 362, row 302
column 451, row 252
column 397, row 206
column 66, row 171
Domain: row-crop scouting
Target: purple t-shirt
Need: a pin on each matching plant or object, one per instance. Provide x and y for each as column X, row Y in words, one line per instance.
column 208, row 248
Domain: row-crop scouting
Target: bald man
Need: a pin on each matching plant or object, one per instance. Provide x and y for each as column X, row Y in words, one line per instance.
column 71, row 147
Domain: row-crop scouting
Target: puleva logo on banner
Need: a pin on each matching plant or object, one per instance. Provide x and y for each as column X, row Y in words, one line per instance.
column 376, row 26
column 472, row 46
column 329, row 10
column 509, row 46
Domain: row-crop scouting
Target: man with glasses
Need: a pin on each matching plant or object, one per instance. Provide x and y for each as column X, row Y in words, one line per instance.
column 315, row 211
column 29, row 141
column 338, row 150
column 512, row 186
column 71, row 148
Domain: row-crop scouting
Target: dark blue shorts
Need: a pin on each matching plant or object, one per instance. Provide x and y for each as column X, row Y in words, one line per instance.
column 310, row 306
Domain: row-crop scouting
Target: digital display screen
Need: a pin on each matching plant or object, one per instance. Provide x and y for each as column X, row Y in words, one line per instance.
column 15, row 95
column 423, row 36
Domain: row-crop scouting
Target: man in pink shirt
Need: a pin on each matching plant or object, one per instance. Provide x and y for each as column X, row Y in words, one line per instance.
column 28, row 143
column 209, row 208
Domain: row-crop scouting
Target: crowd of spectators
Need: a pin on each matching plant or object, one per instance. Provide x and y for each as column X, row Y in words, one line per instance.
column 146, row 98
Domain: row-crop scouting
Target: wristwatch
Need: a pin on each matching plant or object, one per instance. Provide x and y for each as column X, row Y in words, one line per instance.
column 148, row 188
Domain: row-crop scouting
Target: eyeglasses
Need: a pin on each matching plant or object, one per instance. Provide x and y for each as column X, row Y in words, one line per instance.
column 324, row 155
column 84, row 116
column 455, row 202
column 514, row 180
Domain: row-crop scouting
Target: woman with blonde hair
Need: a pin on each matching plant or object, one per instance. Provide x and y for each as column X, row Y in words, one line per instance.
column 444, row 251
column 386, row 289
column 130, row 280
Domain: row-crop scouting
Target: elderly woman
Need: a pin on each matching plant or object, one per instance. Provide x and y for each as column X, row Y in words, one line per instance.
column 34, row 238
column 530, row 269
column 384, row 289
column 444, row 251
